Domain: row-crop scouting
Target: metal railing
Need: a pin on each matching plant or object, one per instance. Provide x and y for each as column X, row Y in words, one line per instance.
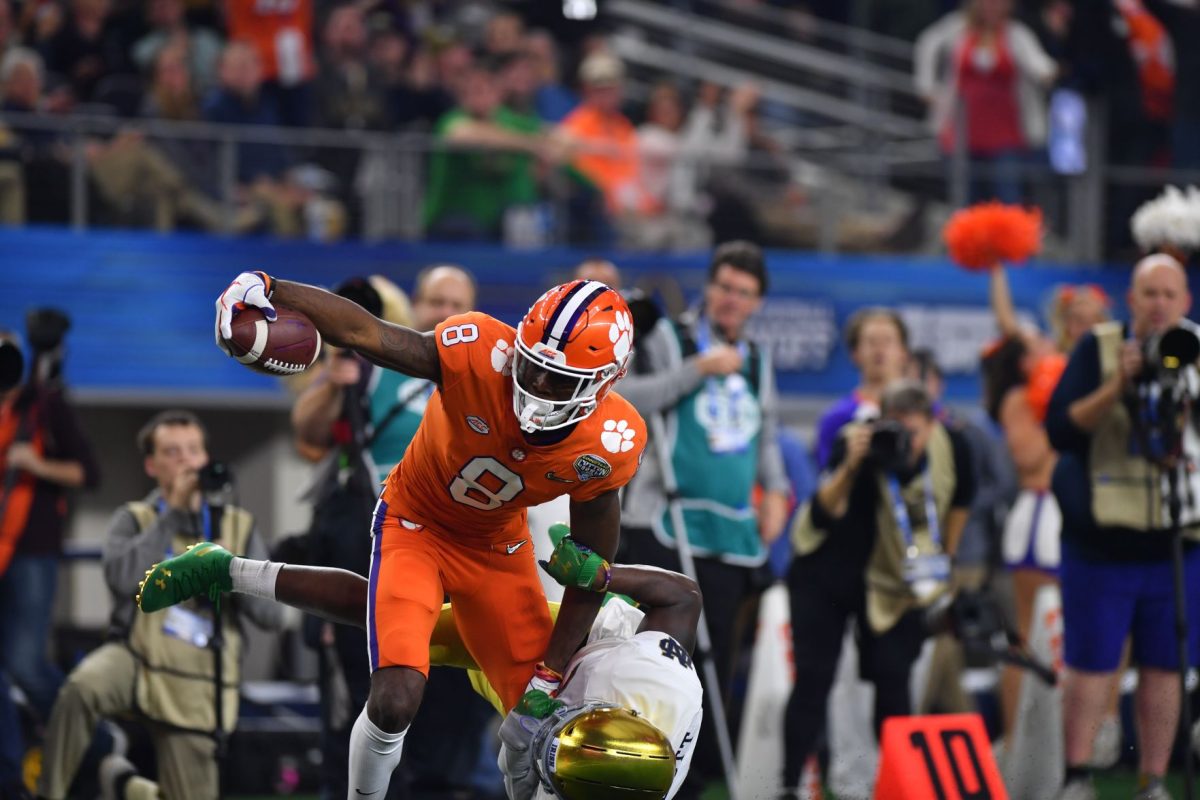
column 851, row 38
column 662, row 58
column 224, row 141
column 782, row 51
column 832, row 191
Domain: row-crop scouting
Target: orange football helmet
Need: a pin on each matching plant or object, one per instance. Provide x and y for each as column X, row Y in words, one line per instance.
column 572, row 345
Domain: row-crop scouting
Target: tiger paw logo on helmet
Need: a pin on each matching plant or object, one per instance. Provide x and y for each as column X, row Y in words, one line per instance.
column 570, row 348
column 618, row 436
column 502, row 357
column 620, row 333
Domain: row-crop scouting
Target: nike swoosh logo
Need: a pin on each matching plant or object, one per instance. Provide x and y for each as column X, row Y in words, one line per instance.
column 364, row 794
column 512, row 548
column 554, row 477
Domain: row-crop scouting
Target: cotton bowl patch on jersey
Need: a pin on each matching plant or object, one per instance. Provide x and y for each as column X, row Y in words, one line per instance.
column 592, row 466
column 478, row 425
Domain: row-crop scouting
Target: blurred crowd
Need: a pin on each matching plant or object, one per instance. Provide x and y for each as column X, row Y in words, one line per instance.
column 533, row 136
column 515, row 122
column 1011, row 81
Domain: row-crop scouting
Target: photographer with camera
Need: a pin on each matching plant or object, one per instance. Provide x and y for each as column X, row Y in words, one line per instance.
column 877, row 340
column 875, row 544
column 44, row 454
column 1123, row 419
column 161, row 668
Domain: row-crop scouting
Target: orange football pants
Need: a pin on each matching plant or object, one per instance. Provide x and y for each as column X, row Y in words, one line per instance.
column 500, row 609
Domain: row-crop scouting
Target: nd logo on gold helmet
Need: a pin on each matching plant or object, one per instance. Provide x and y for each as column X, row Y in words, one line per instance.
column 587, row 752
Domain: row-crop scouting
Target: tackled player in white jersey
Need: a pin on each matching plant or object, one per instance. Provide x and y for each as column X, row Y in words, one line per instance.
column 626, row 714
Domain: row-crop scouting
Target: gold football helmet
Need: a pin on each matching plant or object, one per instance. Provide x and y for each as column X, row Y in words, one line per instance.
column 599, row 751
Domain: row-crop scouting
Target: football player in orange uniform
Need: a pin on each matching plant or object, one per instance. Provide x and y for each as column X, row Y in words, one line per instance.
column 519, row 417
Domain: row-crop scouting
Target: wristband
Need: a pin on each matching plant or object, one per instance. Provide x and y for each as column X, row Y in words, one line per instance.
column 608, row 573
column 268, row 283
column 542, row 672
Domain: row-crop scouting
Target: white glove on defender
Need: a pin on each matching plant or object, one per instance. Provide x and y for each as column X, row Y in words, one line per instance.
column 516, row 761
column 250, row 289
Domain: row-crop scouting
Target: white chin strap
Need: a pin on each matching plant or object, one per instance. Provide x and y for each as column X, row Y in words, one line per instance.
column 534, row 408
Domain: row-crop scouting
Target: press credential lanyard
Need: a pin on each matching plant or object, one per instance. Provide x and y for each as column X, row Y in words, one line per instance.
column 727, row 430
column 904, row 522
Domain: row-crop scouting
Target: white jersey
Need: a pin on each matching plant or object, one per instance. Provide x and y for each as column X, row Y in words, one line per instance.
column 647, row 672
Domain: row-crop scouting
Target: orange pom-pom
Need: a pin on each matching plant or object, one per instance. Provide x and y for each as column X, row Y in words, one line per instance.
column 983, row 235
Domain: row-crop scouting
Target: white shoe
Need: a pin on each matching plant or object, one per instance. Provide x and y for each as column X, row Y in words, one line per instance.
column 1106, row 747
column 113, row 768
column 1077, row 790
column 1156, row 791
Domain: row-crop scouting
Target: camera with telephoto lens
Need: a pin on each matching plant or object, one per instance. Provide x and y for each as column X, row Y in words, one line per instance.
column 12, row 365
column 1168, row 354
column 46, row 329
column 216, row 482
column 891, row 445
column 1157, row 404
column 974, row 618
column 644, row 310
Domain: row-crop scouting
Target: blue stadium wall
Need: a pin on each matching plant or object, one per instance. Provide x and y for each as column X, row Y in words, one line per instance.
column 142, row 304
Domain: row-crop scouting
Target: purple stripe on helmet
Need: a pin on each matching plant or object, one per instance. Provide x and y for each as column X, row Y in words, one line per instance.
column 563, row 303
column 574, row 319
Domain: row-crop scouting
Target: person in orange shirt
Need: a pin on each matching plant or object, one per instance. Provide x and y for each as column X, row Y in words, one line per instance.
column 607, row 139
column 518, row 417
column 281, row 32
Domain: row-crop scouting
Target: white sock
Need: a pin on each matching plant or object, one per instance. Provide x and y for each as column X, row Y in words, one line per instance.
column 253, row 577
column 374, row 756
column 140, row 788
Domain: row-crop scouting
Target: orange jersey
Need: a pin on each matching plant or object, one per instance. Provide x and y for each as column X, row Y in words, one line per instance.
column 470, row 473
column 616, row 173
column 281, row 31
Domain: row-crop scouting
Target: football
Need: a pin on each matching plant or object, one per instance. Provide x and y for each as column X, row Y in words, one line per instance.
column 287, row 346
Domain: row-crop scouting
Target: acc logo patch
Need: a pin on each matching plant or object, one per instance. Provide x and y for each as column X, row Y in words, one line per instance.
column 478, row 425
column 591, row 466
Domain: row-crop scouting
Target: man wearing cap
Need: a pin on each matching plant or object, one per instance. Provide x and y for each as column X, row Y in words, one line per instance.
column 610, row 160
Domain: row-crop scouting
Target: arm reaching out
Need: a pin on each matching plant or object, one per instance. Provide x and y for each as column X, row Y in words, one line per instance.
column 1002, row 305
column 671, row 601
column 340, row 321
column 597, row 524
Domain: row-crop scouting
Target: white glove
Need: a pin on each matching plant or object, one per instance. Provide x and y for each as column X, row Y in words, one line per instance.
column 250, row 289
column 515, row 760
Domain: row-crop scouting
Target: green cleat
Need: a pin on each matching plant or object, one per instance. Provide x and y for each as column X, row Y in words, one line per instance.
column 203, row 569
